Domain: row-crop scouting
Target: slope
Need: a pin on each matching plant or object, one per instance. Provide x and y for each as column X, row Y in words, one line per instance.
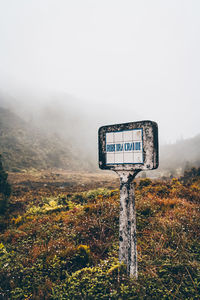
column 23, row 146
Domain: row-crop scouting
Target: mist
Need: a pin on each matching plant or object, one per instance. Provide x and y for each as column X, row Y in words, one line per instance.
column 70, row 67
column 66, row 116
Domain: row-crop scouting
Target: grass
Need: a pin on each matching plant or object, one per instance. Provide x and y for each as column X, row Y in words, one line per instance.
column 64, row 245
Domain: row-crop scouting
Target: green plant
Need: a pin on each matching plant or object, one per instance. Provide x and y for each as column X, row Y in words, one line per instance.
column 5, row 188
column 144, row 182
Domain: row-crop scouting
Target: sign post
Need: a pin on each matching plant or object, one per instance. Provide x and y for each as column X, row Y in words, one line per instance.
column 128, row 149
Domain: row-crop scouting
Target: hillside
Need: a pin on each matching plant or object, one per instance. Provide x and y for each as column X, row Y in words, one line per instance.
column 61, row 134
column 182, row 155
column 23, row 146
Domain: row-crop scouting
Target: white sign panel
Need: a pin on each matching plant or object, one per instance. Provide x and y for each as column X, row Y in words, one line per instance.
column 124, row 147
column 128, row 146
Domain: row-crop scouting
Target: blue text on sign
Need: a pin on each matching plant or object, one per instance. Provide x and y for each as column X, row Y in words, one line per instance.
column 123, row 147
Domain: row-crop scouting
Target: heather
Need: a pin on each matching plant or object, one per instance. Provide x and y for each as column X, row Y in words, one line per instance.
column 63, row 243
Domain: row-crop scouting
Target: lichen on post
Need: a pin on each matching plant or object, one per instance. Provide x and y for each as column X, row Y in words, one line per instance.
column 127, row 223
column 128, row 149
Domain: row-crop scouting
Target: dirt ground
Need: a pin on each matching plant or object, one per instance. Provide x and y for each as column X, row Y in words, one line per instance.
column 63, row 181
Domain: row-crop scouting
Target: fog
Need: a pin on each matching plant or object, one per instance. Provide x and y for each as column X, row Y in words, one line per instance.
column 72, row 66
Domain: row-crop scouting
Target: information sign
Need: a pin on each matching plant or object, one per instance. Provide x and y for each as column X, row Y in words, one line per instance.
column 129, row 146
column 128, row 149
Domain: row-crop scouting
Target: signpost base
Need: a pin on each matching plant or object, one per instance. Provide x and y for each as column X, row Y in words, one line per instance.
column 127, row 222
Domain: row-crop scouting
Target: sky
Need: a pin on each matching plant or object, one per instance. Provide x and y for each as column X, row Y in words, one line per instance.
column 133, row 60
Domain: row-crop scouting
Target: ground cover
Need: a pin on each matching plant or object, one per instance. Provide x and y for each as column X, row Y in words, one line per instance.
column 60, row 241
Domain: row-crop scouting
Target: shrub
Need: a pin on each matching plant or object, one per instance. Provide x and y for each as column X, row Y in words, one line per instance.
column 144, row 182
column 191, row 176
column 5, row 188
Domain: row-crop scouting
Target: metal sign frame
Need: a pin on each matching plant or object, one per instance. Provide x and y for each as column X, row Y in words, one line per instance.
column 148, row 139
column 149, row 143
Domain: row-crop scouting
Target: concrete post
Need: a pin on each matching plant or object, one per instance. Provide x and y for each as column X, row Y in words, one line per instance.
column 127, row 223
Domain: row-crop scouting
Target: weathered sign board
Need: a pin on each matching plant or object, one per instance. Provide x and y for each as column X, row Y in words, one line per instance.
column 128, row 149
column 129, row 146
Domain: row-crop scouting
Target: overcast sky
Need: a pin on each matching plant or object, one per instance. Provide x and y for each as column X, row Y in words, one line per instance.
column 141, row 56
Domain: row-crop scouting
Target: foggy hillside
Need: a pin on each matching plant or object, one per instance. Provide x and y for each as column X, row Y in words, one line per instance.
column 23, row 146
column 59, row 132
column 184, row 154
column 57, row 118
column 66, row 116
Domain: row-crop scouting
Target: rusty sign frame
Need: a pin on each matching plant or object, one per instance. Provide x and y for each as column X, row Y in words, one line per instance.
column 149, row 143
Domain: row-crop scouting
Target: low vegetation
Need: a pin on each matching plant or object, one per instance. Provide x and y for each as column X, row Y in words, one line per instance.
column 65, row 245
column 5, row 188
